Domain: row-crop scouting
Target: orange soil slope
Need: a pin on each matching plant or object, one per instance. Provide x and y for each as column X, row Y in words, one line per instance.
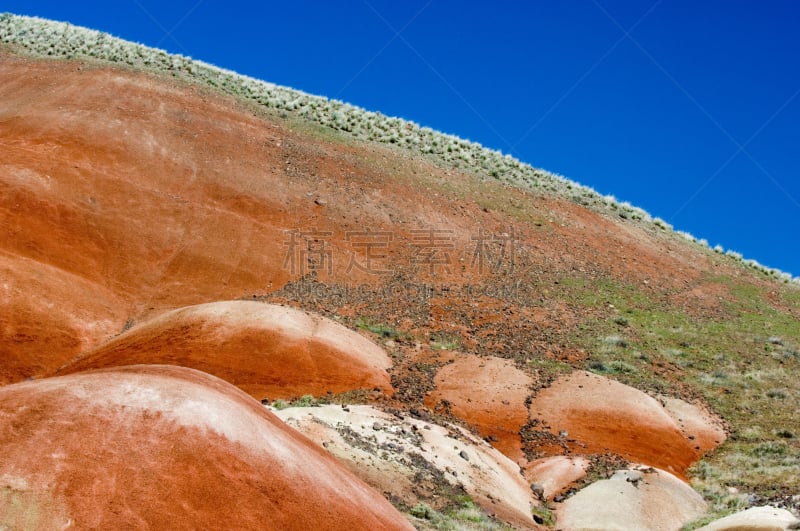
column 489, row 394
column 123, row 195
column 597, row 415
column 268, row 351
column 167, row 448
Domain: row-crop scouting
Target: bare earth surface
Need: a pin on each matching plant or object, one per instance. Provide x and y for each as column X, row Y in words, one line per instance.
column 640, row 498
column 554, row 474
column 145, row 221
column 596, row 415
column 409, row 458
column 166, row 448
column 266, row 350
column 756, row 519
column 498, row 410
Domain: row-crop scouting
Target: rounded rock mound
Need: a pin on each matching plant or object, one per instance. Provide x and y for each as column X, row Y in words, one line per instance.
column 641, row 498
column 410, row 459
column 489, row 393
column 594, row 414
column 267, row 350
column 163, row 447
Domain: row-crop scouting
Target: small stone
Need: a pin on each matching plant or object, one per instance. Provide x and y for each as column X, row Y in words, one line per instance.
column 463, row 455
column 377, row 426
column 538, row 490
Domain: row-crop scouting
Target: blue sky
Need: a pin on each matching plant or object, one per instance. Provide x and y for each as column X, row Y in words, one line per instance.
column 690, row 110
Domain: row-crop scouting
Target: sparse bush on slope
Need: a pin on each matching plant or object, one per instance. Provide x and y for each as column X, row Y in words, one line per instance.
column 47, row 38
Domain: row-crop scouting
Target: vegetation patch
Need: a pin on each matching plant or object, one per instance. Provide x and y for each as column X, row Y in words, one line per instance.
column 464, row 515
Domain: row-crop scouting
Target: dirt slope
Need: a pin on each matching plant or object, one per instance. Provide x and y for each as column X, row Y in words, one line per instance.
column 153, row 195
column 139, row 212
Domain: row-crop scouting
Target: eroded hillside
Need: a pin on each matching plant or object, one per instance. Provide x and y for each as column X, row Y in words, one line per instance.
column 150, row 220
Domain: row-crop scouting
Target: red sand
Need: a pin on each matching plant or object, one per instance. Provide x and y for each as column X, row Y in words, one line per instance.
column 123, row 195
column 266, row 350
column 603, row 415
column 168, row 448
column 488, row 393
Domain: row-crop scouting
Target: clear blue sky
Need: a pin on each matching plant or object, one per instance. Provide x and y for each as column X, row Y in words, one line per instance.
column 690, row 110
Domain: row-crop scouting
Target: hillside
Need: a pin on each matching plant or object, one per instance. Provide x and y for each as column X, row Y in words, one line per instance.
column 159, row 211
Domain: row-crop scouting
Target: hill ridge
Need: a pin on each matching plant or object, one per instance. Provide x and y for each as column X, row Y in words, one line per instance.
column 47, row 38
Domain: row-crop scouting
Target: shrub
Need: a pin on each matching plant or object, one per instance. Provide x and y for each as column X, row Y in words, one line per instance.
column 778, row 394
column 616, row 341
column 378, row 328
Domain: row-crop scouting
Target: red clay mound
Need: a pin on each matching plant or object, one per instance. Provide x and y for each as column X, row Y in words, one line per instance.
column 167, row 448
column 43, row 322
column 268, row 351
column 489, row 393
column 603, row 415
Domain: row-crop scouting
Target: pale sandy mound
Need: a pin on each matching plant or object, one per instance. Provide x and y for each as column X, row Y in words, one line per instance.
column 601, row 415
column 552, row 475
column 269, row 351
column 641, row 499
column 409, row 458
column 490, row 394
column 755, row 519
column 167, row 448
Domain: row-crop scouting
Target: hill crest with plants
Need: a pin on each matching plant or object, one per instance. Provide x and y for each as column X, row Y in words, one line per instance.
column 47, row 38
